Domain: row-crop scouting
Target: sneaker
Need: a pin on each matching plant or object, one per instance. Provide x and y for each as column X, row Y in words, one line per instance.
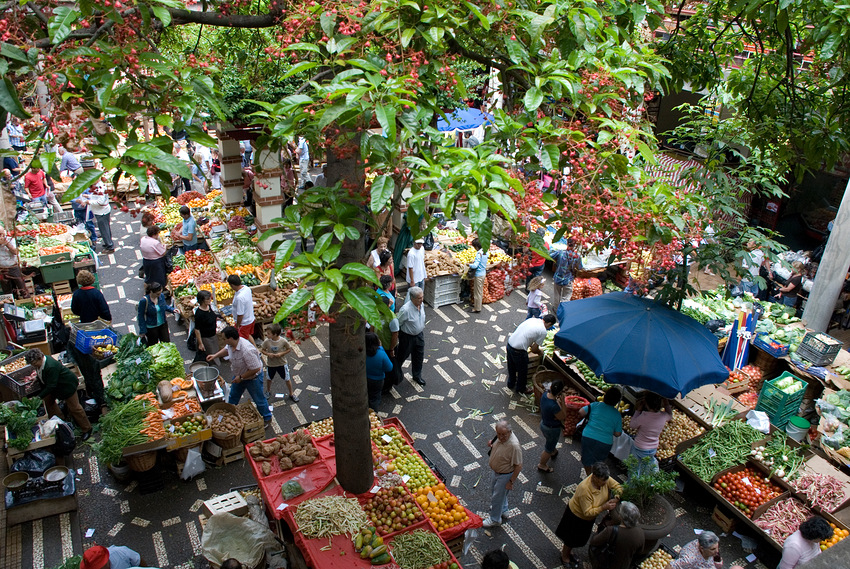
column 294, row 398
column 488, row 523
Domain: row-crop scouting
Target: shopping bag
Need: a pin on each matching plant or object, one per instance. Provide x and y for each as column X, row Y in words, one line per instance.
column 622, row 447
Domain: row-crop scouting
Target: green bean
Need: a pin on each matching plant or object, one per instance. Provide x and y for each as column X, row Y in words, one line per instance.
column 720, row 448
column 418, row 550
column 329, row 516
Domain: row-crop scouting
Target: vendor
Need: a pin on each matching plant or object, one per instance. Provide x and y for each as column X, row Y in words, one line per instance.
column 10, row 271
column 59, row 383
column 788, row 294
column 804, row 544
column 89, row 303
column 112, row 557
column 701, row 553
column 479, row 273
column 247, row 367
column 189, row 233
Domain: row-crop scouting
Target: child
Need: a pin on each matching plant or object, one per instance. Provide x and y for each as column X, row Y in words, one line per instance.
column 534, row 302
column 215, row 170
column 275, row 348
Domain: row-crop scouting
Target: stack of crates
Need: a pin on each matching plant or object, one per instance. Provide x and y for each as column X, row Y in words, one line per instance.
column 442, row 290
column 819, row 348
column 778, row 405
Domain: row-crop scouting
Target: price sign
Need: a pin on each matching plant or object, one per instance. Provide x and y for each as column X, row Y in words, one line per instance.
column 711, row 453
column 386, row 438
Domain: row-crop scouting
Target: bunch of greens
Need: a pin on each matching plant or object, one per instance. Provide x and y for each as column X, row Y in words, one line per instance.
column 243, row 258
column 21, row 417
column 131, row 376
column 120, row 428
column 167, row 362
column 130, row 347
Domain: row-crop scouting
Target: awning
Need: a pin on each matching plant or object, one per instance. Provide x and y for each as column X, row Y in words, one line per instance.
column 464, row 119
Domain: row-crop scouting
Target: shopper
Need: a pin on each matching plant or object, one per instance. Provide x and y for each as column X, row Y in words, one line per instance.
column 87, row 302
column 98, row 204
column 479, row 274
column 411, row 335
column 604, row 422
column 189, row 231
column 592, row 497
column 247, row 367
column 552, row 411
column 627, row 539
column 302, row 152
column 385, row 268
column 84, row 216
column 10, row 270
column 388, row 282
column 215, row 170
column 112, row 557
column 649, row 420
column 243, row 307
column 416, row 264
column 497, row 559
column 534, row 302
column 391, row 377
column 528, row 335
column 567, row 262
column 701, row 553
column 59, row 383
column 205, row 322
column 751, row 263
column 804, row 544
column 275, row 348
column 789, row 293
column 378, row 365
column 153, row 256
column 153, row 327
column 374, row 259
column 506, row 464
column 69, row 163
column 17, row 140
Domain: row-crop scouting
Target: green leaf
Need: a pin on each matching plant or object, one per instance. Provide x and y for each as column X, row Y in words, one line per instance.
column 406, row 36
column 9, row 100
column 322, row 243
column 386, row 118
column 162, row 160
column 293, row 302
column 204, row 89
column 485, row 23
column 324, row 293
column 362, row 271
column 351, row 232
column 335, row 276
column 81, row 183
column 533, row 98
column 365, row 302
column 516, row 51
column 330, row 114
column 298, row 68
column 301, row 46
column 162, row 14
column 382, row 190
column 13, row 52
column 328, row 23
column 164, row 120
column 59, row 25
column 549, row 157
column 197, row 134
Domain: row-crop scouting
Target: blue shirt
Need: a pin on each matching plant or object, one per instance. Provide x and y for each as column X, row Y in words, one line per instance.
column 69, row 162
column 480, row 263
column 389, row 295
column 565, row 263
column 548, row 409
column 190, row 227
column 604, row 422
column 378, row 365
column 121, row 557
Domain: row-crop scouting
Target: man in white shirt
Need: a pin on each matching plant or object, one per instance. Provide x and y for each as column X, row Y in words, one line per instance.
column 98, row 205
column 243, row 308
column 530, row 334
column 303, row 154
column 411, row 335
column 416, row 264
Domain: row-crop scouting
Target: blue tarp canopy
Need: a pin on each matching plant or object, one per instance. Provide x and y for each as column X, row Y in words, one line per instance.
column 464, row 119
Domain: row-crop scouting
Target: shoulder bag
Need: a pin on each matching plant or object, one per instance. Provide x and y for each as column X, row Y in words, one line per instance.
column 603, row 555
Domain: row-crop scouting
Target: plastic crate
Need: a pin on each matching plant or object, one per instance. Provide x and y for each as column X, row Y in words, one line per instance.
column 778, row 405
column 442, row 290
column 85, row 340
column 58, row 272
column 760, row 343
column 818, row 348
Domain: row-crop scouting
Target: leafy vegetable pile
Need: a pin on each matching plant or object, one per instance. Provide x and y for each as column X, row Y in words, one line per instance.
column 120, row 428
column 131, row 376
column 243, row 258
column 167, row 363
column 20, row 421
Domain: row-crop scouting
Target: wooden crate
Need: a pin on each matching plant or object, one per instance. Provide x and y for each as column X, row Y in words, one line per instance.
column 456, row 545
column 62, row 287
column 229, row 455
column 255, row 430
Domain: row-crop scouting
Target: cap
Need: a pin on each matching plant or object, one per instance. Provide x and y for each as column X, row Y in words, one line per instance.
column 419, row 241
column 95, row 557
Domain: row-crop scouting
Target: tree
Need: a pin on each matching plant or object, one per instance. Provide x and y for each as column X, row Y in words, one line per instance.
column 573, row 74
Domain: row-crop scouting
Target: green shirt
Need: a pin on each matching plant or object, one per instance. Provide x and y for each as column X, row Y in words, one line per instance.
column 59, row 381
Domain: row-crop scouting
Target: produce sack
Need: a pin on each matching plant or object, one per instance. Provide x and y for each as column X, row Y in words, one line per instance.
column 622, row 447
column 226, row 536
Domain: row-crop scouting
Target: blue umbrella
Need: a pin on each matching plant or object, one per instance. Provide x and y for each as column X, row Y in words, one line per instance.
column 464, row 119
column 640, row 342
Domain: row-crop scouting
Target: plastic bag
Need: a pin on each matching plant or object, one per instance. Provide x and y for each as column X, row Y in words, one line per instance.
column 836, row 439
column 622, row 447
column 296, row 486
column 759, row 421
column 34, row 462
column 226, row 536
column 194, row 464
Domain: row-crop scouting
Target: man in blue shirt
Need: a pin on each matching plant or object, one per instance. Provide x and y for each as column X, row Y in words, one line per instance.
column 479, row 268
column 566, row 263
column 189, row 232
column 69, row 162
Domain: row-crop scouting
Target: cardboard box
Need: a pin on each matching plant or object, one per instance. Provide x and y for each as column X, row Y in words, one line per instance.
column 187, row 440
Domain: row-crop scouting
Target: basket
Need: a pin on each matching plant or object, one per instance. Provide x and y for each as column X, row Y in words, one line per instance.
column 141, row 462
column 818, row 348
column 573, row 403
column 778, row 405
column 542, row 376
column 221, row 438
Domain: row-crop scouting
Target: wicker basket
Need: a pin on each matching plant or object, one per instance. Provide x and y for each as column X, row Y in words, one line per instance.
column 224, row 439
column 141, row 462
column 544, row 375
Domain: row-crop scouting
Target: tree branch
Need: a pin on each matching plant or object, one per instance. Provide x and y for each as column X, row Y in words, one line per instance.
column 232, row 21
column 38, row 13
column 456, row 46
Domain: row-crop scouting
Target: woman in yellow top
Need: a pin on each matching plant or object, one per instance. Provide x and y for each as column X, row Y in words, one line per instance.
column 595, row 494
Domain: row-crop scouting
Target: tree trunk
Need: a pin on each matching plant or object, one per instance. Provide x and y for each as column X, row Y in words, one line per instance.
column 348, row 363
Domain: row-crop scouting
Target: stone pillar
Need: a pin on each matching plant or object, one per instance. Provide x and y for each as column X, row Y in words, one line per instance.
column 831, row 271
column 231, row 170
column 268, row 197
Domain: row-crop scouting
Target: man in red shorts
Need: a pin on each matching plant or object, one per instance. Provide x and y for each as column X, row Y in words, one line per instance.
column 243, row 308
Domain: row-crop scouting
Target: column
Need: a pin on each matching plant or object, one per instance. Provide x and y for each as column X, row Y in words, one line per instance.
column 268, row 197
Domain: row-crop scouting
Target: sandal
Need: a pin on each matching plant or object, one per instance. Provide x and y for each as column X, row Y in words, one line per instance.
column 547, row 470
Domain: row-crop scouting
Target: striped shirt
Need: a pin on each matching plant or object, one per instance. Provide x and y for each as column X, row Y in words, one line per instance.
column 244, row 358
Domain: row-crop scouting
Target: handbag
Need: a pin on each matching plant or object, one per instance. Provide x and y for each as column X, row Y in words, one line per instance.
column 581, row 425
column 169, row 264
column 603, row 555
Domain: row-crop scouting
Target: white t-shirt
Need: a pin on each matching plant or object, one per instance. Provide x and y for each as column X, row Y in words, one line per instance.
column 532, row 331
column 204, row 158
column 99, row 204
column 416, row 261
column 243, row 305
column 757, row 256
